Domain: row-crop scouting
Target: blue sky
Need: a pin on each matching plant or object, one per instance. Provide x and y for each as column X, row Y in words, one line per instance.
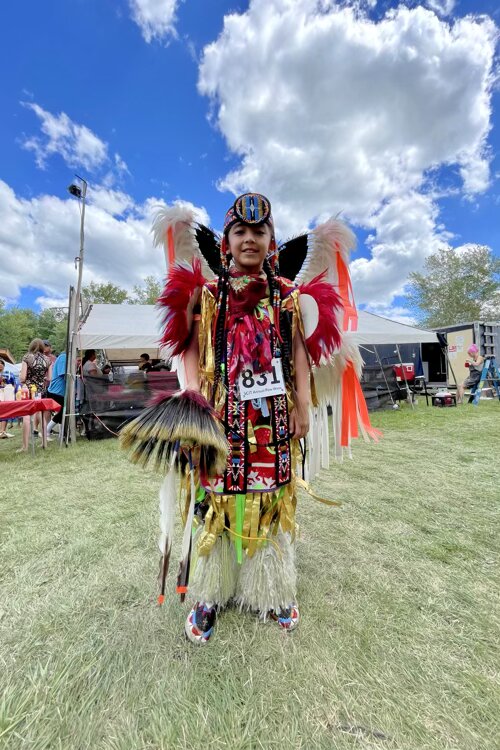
column 386, row 112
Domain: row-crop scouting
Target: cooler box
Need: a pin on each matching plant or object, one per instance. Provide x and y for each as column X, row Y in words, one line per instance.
column 409, row 372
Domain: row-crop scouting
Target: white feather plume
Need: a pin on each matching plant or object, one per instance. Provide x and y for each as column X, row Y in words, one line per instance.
column 323, row 243
column 183, row 223
column 328, row 384
column 168, row 494
column 188, row 527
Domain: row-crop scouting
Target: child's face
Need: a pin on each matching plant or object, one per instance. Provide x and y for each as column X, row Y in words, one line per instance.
column 249, row 246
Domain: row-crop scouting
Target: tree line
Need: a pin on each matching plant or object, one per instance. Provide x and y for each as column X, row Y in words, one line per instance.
column 20, row 325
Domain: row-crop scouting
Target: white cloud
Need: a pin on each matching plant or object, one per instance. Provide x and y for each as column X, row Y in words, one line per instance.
column 155, row 18
column 405, row 232
column 114, row 202
column 50, row 302
column 399, row 314
column 39, row 239
column 330, row 111
column 121, row 165
column 444, row 7
column 77, row 144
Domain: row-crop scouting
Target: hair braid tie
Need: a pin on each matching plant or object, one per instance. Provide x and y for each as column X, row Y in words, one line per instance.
column 220, row 324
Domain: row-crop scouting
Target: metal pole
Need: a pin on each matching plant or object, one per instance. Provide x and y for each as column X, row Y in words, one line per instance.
column 82, row 238
column 69, row 420
column 410, row 395
column 64, row 429
column 383, row 374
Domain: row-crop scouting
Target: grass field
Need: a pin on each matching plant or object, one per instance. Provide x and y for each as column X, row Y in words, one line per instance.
column 398, row 645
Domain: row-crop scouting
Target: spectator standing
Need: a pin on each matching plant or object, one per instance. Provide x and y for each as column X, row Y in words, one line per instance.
column 6, row 378
column 79, row 395
column 56, row 390
column 475, row 364
column 89, row 369
column 35, row 369
column 47, row 351
column 89, row 364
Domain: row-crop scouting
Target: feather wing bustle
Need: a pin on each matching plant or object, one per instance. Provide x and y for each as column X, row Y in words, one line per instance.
column 326, row 336
column 178, row 299
column 323, row 244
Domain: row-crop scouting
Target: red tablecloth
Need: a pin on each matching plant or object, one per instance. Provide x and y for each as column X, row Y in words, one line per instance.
column 15, row 409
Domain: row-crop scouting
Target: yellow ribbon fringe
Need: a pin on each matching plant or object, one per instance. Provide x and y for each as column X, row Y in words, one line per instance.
column 256, row 539
column 305, row 486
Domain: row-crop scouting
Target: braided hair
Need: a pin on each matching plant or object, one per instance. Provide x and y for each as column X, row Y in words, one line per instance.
column 220, row 372
column 282, row 320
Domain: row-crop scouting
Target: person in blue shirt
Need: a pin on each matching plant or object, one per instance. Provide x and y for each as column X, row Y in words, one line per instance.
column 6, row 378
column 57, row 389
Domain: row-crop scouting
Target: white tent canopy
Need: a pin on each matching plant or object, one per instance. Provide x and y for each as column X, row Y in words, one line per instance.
column 375, row 330
column 123, row 331
column 126, row 331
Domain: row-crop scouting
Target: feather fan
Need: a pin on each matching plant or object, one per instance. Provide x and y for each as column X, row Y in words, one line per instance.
column 185, row 418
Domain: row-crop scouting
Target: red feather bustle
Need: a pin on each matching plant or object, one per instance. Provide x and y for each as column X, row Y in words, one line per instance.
column 326, row 337
column 177, row 299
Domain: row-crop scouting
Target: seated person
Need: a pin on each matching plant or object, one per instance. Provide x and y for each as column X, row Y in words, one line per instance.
column 107, row 372
column 145, row 363
column 475, row 369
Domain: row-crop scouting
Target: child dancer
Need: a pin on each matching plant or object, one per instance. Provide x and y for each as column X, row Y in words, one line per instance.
column 248, row 340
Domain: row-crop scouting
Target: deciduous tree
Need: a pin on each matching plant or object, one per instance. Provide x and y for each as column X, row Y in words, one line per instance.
column 106, row 294
column 18, row 326
column 147, row 294
column 456, row 286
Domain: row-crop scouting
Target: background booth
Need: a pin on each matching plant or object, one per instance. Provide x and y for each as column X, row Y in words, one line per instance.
column 122, row 333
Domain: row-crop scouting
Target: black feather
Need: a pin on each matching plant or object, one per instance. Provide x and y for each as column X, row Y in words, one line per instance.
column 292, row 255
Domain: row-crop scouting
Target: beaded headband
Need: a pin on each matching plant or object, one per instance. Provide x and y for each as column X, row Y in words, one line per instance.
column 250, row 208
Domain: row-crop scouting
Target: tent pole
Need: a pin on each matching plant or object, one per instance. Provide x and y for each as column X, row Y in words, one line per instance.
column 68, row 422
column 383, row 375
column 445, row 352
column 65, row 428
column 410, row 395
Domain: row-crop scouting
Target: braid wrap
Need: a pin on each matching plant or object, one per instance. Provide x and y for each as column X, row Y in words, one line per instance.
column 220, row 324
column 283, row 324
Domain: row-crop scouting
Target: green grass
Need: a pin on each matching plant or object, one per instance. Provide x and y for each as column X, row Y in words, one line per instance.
column 399, row 595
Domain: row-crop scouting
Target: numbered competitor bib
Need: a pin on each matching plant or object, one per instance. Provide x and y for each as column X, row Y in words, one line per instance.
column 259, row 385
